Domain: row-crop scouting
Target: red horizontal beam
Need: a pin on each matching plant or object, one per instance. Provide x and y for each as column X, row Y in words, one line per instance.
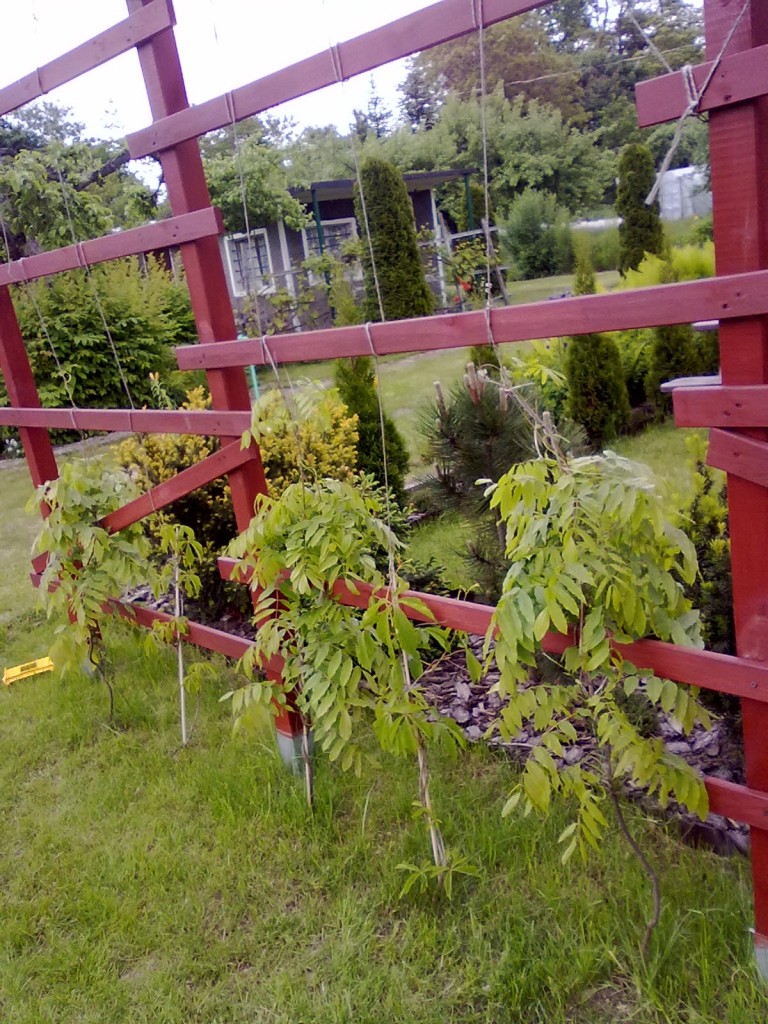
column 740, row 77
column 164, row 494
column 719, row 672
column 421, row 30
column 207, row 637
column 722, row 406
column 739, row 803
column 742, row 456
column 138, row 421
column 160, row 235
column 120, row 38
column 737, row 295
column 210, row 639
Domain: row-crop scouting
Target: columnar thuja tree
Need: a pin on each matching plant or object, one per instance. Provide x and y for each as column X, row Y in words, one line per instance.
column 395, row 285
column 641, row 230
column 356, row 382
column 597, row 390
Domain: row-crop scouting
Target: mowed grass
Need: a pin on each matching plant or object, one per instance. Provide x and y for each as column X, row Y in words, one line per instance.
column 666, row 450
column 17, row 531
column 146, row 884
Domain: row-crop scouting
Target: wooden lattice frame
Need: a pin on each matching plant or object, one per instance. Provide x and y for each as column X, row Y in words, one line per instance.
column 737, row 101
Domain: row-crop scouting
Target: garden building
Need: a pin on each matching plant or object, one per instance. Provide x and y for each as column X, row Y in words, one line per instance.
column 273, row 256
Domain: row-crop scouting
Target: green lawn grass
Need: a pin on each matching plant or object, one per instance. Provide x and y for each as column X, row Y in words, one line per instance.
column 145, row 884
column 664, row 448
column 407, row 381
column 17, row 531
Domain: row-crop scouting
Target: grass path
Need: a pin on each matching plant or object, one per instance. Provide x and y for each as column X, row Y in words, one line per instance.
column 17, row 531
column 141, row 884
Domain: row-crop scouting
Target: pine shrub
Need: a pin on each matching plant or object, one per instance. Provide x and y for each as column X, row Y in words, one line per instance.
column 385, row 217
column 477, row 432
column 641, row 230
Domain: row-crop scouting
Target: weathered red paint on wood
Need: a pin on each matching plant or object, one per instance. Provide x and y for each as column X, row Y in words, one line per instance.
column 737, row 296
column 719, row 672
column 742, row 456
column 740, row 803
column 188, row 192
column 745, row 405
column 21, row 389
column 160, row 235
column 740, row 77
column 183, row 483
column 139, row 421
column 92, row 54
column 738, row 139
column 207, row 637
column 421, row 30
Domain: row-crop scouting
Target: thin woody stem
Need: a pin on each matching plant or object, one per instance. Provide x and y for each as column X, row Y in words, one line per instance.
column 647, row 867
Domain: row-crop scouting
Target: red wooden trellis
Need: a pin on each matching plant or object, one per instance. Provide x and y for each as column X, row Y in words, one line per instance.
column 737, row 101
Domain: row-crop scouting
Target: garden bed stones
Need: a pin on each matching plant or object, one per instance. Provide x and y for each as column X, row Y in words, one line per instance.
column 715, row 751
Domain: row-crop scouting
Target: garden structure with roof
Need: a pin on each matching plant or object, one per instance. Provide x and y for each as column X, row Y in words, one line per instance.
column 731, row 87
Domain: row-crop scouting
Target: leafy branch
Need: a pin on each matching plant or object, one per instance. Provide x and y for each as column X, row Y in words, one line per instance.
column 592, row 557
column 345, row 669
column 86, row 565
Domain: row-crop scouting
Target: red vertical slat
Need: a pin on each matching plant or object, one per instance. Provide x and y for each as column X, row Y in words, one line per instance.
column 20, row 385
column 188, row 191
column 739, row 154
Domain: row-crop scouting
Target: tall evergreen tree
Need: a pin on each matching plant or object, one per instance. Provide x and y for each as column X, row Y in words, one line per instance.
column 597, row 391
column 356, row 382
column 420, row 98
column 673, row 354
column 641, row 230
column 385, row 216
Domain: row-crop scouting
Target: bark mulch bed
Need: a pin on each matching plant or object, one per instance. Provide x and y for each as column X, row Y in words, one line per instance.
column 716, row 751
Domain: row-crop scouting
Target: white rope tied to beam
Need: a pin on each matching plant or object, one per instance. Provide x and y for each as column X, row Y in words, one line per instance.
column 694, row 95
column 338, row 69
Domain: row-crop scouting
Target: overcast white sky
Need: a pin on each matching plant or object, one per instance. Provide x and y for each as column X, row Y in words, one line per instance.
column 223, row 44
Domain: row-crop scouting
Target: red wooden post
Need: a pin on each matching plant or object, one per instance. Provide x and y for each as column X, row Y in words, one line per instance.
column 20, row 385
column 211, row 304
column 739, row 153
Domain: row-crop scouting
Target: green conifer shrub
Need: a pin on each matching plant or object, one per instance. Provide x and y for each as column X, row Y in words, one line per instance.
column 641, row 230
column 674, row 354
column 477, row 432
column 385, row 217
column 327, row 442
column 597, row 390
column 356, row 383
